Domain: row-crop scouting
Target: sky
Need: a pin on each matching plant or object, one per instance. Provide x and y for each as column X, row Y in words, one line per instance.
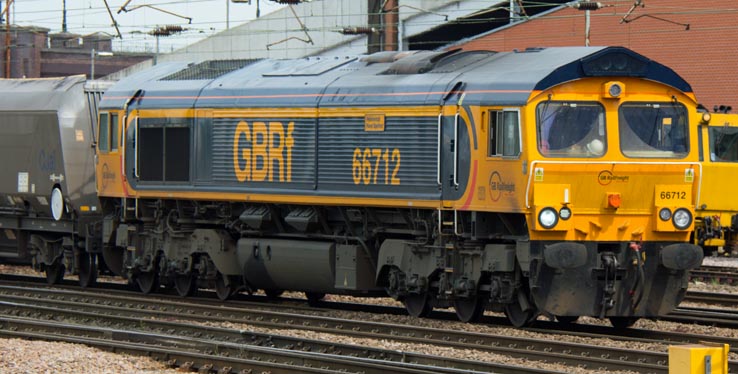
column 90, row 16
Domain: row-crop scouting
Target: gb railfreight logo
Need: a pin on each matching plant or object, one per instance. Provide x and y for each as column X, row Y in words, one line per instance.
column 606, row 177
column 497, row 187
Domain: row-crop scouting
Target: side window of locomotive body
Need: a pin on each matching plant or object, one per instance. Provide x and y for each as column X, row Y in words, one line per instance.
column 571, row 129
column 504, row 133
column 103, row 138
column 653, row 130
column 164, row 153
column 114, row 131
column 724, row 144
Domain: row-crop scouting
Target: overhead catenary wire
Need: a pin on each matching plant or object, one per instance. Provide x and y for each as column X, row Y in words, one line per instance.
column 87, row 19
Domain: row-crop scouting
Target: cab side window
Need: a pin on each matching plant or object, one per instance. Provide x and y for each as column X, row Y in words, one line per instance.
column 108, row 138
column 724, row 144
column 103, row 141
column 504, row 133
column 113, row 132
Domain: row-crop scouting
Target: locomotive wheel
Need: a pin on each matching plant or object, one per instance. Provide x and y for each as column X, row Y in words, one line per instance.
column 55, row 272
column 623, row 322
column 147, row 281
column 519, row 317
column 185, row 285
column 87, row 268
column 469, row 309
column 565, row 320
column 417, row 304
column 314, row 297
column 221, row 290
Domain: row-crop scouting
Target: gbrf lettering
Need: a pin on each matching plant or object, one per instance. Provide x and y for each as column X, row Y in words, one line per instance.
column 263, row 151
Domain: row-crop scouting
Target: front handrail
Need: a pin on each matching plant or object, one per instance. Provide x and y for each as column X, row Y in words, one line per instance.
column 456, row 150
column 135, row 152
column 123, row 151
column 438, row 152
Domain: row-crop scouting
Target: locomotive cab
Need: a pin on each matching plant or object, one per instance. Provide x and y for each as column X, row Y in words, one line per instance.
column 608, row 176
column 612, row 201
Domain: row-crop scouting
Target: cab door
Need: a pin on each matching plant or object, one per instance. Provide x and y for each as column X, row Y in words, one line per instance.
column 109, row 176
column 719, row 150
column 503, row 173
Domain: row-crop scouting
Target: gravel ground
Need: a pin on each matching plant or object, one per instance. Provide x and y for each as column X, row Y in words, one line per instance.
column 22, row 356
column 698, row 286
column 727, row 261
column 24, row 270
column 19, row 356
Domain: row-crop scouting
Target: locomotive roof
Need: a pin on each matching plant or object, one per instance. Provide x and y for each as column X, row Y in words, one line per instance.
column 386, row 78
column 40, row 94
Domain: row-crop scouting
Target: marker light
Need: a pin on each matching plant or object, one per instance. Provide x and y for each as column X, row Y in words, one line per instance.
column 706, row 117
column 565, row 213
column 682, row 219
column 548, row 218
column 665, row 214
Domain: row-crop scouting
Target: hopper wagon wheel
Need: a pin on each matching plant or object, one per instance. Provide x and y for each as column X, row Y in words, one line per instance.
column 87, row 268
column 273, row 293
column 566, row 320
column 55, row 272
column 418, row 304
column 57, row 203
column 185, row 284
column 314, row 298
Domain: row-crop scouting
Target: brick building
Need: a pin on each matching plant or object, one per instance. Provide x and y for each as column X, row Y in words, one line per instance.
column 697, row 39
column 34, row 53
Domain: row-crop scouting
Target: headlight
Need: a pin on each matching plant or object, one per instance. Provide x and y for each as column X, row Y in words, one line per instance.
column 682, row 219
column 565, row 213
column 665, row 214
column 548, row 218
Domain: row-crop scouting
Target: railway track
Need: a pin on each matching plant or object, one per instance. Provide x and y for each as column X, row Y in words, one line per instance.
column 134, row 312
column 715, row 298
column 255, row 310
column 716, row 274
column 705, row 316
column 230, row 342
column 60, row 319
column 206, row 355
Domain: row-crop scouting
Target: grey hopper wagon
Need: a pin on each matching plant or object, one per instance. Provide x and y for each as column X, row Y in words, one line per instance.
column 47, row 192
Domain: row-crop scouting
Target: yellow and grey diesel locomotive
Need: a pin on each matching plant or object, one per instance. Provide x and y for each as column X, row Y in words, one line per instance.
column 716, row 226
column 556, row 181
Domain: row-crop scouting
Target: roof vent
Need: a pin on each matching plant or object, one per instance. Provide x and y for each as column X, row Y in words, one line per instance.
column 208, row 69
column 418, row 63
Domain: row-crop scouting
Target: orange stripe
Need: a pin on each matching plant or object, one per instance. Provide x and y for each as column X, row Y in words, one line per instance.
column 123, row 179
column 472, row 185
